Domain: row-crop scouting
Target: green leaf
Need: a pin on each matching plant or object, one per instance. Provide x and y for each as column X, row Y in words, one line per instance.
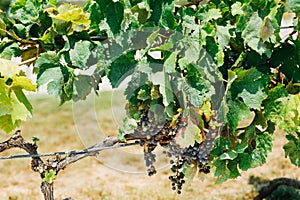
column 236, row 9
column 46, row 60
column 143, row 95
column 158, row 111
column 195, row 97
column 121, row 68
column 293, row 5
column 222, row 172
column 53, row 2
column 292, row 149
column 167, row 17
column 192, row 53
column 163, row 80
column 229, row 155
column 221, row 144
column 80, row 54
column 19, row 111
column 250, row 85
column 233, row 168
column 237, row 111
column 54, row 79
column 9, row 52
column 285, row 112
column 20, row 30
column 170, row 62
column 5, row 103
column 264, row 144
column 82, row 87
column 35, row 139
column 113, row 11
column 49, row 176
column 212, row 13
column 129, row 124
column 121, row 135
column 251, row 34
column 287, row 57
column 244, row 161
column 137, row 80
column 240, row 148
column 223, row 35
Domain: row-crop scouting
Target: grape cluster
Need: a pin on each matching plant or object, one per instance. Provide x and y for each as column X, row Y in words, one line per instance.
column 197, row 154
column 156, row 132
column 178, row 178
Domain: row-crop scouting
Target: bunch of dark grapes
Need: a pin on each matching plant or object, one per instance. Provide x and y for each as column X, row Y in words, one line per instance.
column 156, row 132
column 197, row 154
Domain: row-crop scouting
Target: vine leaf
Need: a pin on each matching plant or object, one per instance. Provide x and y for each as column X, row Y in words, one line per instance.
column 167, row 17
column 121, row 68
column 222, row 172
column 212, row 13
column 80, row 54
column 8, row 68
column 49, row 176
column 251, row 34
column 223, row 35
column 190, row 172
column 191, row 135
column 250, row 85
column 237, row 111
column 267, row 30
column 54, row 79
column 23, row 82
column 244, row 161
column 284, row 111
column 82, row 87
column 70, row 13
column 53, row 2
column 229, row 155
column 162, row 79
column 264, row 144
column 6, row 123
column 113, row 11
column 292, row 149
column 5, row 104
column 19, row 111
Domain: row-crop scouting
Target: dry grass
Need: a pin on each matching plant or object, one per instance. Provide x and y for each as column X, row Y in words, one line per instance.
column 112, row 176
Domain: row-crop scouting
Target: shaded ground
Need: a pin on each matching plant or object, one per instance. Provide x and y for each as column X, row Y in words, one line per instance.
column 98, row 179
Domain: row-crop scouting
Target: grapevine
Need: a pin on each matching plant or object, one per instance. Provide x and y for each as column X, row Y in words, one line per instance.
column 219, row 63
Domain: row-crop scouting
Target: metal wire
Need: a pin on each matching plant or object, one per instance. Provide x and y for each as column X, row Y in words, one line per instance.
column 74, row 152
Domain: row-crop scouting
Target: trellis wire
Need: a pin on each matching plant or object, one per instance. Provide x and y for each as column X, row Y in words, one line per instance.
column 74, row 152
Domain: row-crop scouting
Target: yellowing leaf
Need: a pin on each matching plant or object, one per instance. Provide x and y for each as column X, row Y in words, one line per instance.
column 206, row 111
column 75, row 15
column 175, row 117
column 23, row 82
column 6, row 123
